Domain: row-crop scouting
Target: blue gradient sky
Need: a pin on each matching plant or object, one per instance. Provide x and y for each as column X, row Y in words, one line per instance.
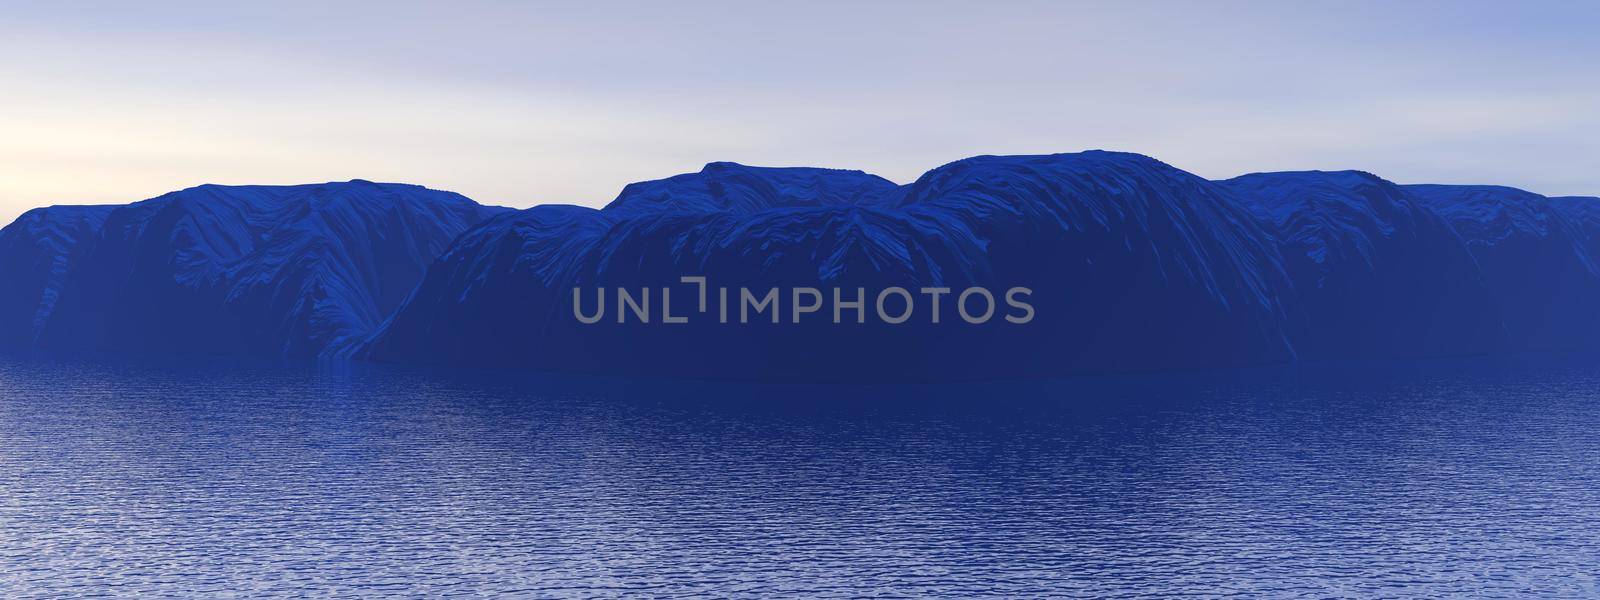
column 520, row 104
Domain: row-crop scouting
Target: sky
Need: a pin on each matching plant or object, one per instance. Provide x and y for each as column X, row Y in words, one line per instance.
column 524, row 103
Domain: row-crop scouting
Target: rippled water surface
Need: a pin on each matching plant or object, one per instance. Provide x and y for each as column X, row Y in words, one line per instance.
column 1420, row 479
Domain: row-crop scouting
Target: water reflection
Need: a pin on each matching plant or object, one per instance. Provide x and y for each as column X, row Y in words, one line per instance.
column 1434, row 478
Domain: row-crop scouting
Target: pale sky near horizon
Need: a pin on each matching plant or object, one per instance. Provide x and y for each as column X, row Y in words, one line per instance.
column 528, row 103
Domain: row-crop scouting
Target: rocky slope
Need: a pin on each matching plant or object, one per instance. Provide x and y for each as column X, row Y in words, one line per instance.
column 265, row 271
column 37, row 251
column 1130, row 263
column 1088, row 262
column 1375, row 274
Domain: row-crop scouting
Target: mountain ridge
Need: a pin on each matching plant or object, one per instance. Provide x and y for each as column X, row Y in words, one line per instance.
column 267, row 271
column 1131, row 264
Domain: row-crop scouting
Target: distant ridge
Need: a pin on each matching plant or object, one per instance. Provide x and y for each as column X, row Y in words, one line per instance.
column 1131, row 264
column 1134, row 265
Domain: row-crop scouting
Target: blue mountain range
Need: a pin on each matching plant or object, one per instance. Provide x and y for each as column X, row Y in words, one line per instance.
column 268, row 271
column 1128, row 264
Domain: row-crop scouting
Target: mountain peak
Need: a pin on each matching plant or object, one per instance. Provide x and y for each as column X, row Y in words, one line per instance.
column 258, row 270
column 1131, row 263
column 727, row 187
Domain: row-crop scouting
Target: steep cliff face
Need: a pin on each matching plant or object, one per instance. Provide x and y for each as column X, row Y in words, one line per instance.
column 36, row 253
column 1584, row 213
column 269, row 271
column 1540, row 270
column 1374, row 273
column 1131, row 264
